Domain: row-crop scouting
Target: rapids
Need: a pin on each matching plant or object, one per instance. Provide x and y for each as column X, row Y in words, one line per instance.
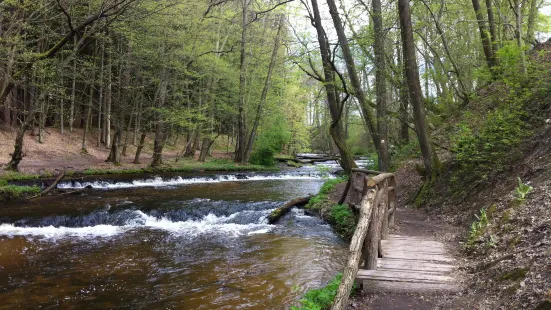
column 167, row 241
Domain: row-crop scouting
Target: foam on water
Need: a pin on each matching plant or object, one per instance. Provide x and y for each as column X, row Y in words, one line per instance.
column 209, row 224
column 160, row 182
column 56, row 232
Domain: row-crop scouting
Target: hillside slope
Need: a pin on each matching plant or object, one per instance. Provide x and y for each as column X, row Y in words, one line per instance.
column 507, row 240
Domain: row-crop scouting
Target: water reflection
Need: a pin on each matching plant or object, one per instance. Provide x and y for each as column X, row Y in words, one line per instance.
column 169, row 265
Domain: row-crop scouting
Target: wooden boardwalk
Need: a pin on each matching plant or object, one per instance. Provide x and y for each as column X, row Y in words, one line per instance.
column 411, row 264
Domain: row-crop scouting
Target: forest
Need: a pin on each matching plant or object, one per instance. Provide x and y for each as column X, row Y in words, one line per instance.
column 270, row 77
column 458, row 92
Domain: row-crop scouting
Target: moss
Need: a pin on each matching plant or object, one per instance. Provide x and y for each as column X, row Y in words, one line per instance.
column 10, row 192
column 514, row 275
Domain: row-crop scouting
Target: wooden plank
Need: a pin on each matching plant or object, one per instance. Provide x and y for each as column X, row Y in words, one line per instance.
column 420, row 257
column 413, row 248
column 408, row 287
column 404, row 276
column 400, row 264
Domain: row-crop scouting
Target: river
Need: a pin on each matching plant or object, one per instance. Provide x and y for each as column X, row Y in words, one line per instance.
column 167, row 241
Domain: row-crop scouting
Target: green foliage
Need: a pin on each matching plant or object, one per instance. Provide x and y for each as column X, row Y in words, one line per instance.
column 404, row 152
column 339, row 216
column 269, row 143
column 477, row 228
column 8, row 192
column 322, row 298
column 263, row 156
column 522, row 190
column 491, row 146
column 343, row 220
column 317, row 201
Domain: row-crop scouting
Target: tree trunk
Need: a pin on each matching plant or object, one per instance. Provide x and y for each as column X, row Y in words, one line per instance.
column 493, row 29
column 139, row 148
column 108, row 99
column 88, row 118
column 158, row 145
column 518, row 35
column 380, row 80
column 412, row 73
column 335, row 107
column 7, row 111
column 189, row 150
column 73, row 88
column 61, row 108
column 115, row 154
column 241, row 118
column 160, row 130
column 484, row 34
column 353, row 75
column 100, row 93
column 265, row 89
column 532, row 15
column 17, row 154
column 404, row 100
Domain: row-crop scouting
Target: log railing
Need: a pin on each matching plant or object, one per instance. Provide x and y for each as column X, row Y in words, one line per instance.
column 374, row 201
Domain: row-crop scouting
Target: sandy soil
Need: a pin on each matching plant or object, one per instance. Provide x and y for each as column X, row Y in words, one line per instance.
column 64, row 152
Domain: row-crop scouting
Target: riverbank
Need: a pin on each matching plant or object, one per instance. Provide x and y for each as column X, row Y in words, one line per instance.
column 17, row 185
column 42, row 162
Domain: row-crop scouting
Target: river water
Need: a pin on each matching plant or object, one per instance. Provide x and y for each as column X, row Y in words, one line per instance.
column 167, row 241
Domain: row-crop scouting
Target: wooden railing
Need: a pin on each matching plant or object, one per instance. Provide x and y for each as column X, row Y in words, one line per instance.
column 374, row 201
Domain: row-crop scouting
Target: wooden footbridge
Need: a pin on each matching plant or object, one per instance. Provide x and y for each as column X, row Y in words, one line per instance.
column 380, row 261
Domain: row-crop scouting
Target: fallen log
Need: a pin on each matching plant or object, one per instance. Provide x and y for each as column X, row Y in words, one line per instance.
column 284, row 209
column 49, row 188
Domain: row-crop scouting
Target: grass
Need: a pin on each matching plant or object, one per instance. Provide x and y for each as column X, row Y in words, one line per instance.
column 321, row 298
column 339, row 216
column 9, row 192
column 183, row 166
column 186, row 165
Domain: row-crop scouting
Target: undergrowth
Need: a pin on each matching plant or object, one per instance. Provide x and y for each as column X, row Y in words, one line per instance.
column 339, row 216
column 321, row 298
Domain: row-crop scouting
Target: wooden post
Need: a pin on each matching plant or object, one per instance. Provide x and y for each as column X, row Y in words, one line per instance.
column 351, row 269
column 385, row 211
column 347, row 188
column 392, row 203
column 374, row 232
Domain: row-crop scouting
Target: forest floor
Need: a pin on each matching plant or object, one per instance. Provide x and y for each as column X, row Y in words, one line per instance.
column 64, row 152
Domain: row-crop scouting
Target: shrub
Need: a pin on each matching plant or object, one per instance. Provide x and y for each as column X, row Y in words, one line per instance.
column 492, row 146
column 263, row 156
